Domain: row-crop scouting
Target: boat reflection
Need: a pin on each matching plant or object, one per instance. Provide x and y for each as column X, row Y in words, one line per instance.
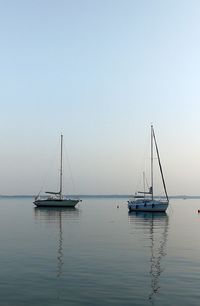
column 56, row 215
column 156, row 231
column 53, row 214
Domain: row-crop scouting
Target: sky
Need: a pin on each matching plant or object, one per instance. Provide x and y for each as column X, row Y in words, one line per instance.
column 100, row 72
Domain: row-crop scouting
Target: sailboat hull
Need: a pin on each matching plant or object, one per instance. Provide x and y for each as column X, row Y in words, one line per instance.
column 150, row 206
column 56, row 203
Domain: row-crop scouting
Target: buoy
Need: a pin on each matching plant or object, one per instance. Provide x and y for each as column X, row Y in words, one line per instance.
column 198, row 211
column 118, row 207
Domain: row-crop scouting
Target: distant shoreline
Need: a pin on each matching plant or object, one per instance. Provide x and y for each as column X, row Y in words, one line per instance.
column 183, row 197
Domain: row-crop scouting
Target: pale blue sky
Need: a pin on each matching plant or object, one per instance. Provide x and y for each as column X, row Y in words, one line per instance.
column 99, row 72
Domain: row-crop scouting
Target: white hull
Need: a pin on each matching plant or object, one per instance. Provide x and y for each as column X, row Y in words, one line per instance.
column 56, row 203
column 149, row 206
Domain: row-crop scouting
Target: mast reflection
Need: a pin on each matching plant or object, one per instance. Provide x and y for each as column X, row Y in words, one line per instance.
column 156, row 225
column 56, row 215
column 60, row 248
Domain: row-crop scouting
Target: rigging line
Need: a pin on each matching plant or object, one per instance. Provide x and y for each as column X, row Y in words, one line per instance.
column 142, row 161
column 51, row 161
column 160, row 164
column 70, row 169
column 147, row 182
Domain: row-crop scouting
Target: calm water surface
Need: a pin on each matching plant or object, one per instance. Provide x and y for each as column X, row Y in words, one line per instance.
column 98, row 254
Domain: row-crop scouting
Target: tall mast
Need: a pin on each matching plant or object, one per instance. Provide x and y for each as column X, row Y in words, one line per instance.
column 61, row 170
column 152, row 162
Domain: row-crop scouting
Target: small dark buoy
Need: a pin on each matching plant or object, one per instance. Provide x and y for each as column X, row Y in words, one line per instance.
column 198, row 211
column 118, row 207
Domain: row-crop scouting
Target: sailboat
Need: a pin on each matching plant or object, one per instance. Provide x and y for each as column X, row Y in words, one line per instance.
column 147, row 201
column 56, row 199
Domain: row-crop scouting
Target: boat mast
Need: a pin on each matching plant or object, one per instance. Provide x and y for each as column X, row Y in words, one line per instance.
column 152, row 162
column 160, row 164
column 61, row 170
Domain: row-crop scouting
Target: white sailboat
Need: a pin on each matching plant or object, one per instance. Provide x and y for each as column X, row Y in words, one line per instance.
column 56, row 199
column 148, row 202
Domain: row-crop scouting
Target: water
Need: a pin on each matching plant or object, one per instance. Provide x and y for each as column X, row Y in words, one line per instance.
column 99, row 254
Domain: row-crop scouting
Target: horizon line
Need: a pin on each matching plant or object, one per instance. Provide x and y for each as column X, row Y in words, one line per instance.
column 98, row 195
